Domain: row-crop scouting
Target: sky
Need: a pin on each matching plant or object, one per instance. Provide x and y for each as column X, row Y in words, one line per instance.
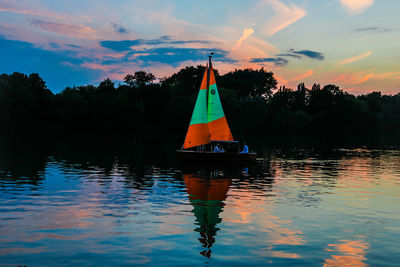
column 351, row 43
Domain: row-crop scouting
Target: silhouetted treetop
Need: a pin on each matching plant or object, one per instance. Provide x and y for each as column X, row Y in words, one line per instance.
column 24, row 99
column 106, row 86
column 187, row 79
column 333, row 89
column 139, row 79
column 249, row 82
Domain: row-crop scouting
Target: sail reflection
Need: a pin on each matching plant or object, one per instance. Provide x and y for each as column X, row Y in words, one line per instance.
column 207, row 193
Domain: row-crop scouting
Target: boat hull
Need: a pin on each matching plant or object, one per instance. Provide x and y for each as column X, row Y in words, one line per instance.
column 205, row 156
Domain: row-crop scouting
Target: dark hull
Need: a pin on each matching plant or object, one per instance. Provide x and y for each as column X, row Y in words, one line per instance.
column 196, row 156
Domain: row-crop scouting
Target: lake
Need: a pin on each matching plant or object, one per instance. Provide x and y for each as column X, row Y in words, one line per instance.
column 298, row 207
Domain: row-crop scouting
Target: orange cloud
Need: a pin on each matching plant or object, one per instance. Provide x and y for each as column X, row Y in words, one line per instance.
column 285, row 16
column 280, row 80
column 356, row 6
column 20, row 8
column 374, row 76
column 95, row 66
column 10, row 9
column 253, row 47
column 363, row 79
column 246, row 33
column 355, row 78
column 79, row 31
column 355, row 58
column 303, row 76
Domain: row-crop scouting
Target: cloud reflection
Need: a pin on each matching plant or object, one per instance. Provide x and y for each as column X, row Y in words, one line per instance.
column 351, row 253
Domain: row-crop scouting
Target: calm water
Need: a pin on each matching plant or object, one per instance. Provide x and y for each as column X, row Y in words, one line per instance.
column 296, row 208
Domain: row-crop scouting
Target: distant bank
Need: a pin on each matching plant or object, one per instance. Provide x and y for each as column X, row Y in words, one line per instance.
column 140, row 108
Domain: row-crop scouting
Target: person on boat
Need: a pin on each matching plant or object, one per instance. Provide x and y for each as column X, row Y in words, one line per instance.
column 245, row 149
column 216, row 149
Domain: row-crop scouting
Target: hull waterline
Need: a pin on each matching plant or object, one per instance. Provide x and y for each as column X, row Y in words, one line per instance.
column 206, row 156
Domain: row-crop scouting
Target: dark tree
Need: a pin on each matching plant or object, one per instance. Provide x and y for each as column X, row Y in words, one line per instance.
column 374, row 101
column 37, row 84
column 139, row 79
column 142, row 107
column 186, row 80
column 316, row 87
column 333, row 89
column 106, row 86
column 249, row 82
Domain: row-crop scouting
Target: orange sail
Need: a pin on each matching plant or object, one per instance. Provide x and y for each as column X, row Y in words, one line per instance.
column 197, row 133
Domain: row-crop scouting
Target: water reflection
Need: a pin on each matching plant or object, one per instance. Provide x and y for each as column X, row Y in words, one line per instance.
column 102, row 207
column 351, row 253
column 22, row 166
column 207, row 193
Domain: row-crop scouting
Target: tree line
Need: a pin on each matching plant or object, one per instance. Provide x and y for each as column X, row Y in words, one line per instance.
column 253, row 105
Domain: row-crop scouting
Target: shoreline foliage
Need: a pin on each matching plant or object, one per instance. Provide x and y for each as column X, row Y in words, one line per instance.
column 253, row 105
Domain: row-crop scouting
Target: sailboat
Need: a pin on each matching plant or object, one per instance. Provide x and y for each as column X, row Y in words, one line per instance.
column 209, row 137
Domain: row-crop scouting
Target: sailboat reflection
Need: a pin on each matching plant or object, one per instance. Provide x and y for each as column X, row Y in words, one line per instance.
column 207, row 193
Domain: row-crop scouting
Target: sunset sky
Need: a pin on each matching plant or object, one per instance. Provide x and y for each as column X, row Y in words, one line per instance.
column 352, row 43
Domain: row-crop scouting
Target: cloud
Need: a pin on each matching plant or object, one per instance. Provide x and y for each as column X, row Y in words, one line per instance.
column 16, row 10
column 78, row 31
column 363, row 79
column 174, row 56
column 246, row 33
column 97, row 66
column 357, row 77
column 19, row 7
column 30, row 8
column 356, row 6
column 372, row 75
column 355, row 58
column 280, row 80
column 162, row 61
column 285, row 15
column 303, row 76
column 288, row 55
column 54, row 45
column 166, row 37
column 277, row 61
column 57, row 68
column 123, row 45
column 308, row 53
column 126, row 45
column 119, row 28
column 375, row 29
column 73, row 46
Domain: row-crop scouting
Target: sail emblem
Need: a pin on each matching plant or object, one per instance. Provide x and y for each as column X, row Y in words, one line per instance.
column 212, row 91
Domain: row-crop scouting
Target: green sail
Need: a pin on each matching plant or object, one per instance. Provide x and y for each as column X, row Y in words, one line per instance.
column 215, row 110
